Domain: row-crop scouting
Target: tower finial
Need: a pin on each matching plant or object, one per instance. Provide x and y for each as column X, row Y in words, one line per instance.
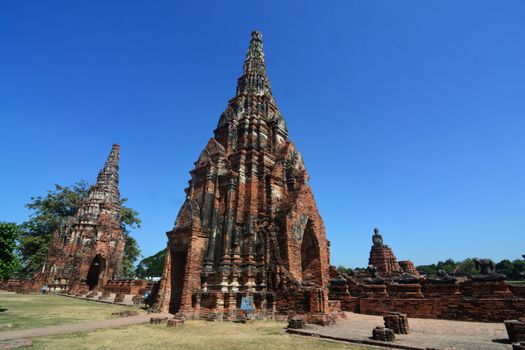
column 108, row 177
column 254, row 79
column 255, row 56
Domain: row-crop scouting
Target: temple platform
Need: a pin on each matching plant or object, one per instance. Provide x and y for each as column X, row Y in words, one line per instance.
column 424, row 333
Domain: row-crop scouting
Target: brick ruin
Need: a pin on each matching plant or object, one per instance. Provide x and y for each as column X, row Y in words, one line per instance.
column 383, row 259
column 393, row 286
column 87, row 250
column 382, row 256
column 250, row 227
column 249, row 224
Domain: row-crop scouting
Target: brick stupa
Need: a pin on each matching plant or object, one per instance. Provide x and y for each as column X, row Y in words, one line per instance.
column 382, row 257
column 249, row 225
column 88, row 248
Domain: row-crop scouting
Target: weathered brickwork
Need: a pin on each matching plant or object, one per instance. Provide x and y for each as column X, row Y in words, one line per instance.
column 382, row 257
column 128, row 286
column 460, row 308
column 397, row 322
column 383, row 334
column 249, row 225
column 88, row 248
column 17, row 285
column 407, row 266
column 442, row 296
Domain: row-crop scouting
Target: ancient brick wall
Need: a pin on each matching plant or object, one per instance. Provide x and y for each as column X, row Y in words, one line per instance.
column 128, row 286
column 467, row 301
column 451, row 308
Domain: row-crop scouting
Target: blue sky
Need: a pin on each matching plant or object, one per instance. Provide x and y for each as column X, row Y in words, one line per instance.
column 409, row 114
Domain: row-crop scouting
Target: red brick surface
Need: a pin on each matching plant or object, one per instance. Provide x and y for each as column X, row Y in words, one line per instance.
column 90, row 239
column 250, row 225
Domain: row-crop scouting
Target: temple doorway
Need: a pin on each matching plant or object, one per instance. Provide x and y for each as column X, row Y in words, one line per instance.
column 178, row 268
column 310, row 256
column 96, row 271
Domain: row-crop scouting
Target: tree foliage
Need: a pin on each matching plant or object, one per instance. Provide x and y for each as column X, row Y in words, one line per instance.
column 46, row 217
column 151, row 266
column 9, row 263
column 129, row 221
column 49, row 211
column 512, row 269
column 343, row 269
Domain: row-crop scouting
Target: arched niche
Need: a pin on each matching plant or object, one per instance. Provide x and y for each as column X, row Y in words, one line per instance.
column 310, row 255
column 96, row 271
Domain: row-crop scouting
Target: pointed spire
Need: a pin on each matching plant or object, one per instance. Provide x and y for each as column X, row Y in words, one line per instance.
column 255, row 56
column 254, row 79
column 113, row 157
column 108, row 177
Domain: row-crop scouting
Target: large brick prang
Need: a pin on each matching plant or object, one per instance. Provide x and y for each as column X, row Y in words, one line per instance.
column 249, row 227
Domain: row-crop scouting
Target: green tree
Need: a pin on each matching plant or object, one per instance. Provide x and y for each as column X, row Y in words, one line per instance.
column 9, row 263
column 519, row 268
column 427, row 270
column 506, row 267
column 49, row 211
column 129, row 221
column 346, row 270
column 46, row 217
column 448, row 265
column 468, row 267
column 151, row 266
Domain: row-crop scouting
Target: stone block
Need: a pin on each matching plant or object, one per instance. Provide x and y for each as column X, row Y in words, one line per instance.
column 127, row 313
column 296, row 323
column 138, row 299
column 383, row 334
column 516, row 330
column 158, row 320
column 518, row 346
column 175, row 322
column 105, row 295
column 396, row 321
column 119, row 297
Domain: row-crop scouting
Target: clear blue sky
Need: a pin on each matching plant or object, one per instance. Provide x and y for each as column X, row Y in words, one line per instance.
column 410, row 115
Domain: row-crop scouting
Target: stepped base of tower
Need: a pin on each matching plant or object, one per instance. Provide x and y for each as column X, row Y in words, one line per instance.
column 308, row 302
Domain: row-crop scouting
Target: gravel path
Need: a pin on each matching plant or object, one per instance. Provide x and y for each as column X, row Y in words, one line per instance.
column 76, row 327
column 424, row 333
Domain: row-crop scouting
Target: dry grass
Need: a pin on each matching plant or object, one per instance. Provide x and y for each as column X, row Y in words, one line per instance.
column 192, row 335
column 31, row 311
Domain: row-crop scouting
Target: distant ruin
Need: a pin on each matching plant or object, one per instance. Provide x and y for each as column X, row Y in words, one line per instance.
column 393, row 286
column 87, row 251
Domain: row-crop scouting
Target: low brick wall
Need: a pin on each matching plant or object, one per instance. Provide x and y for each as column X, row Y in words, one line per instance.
column 467, row 301
column 19, row 286
column 133, row 287
column 459, row 308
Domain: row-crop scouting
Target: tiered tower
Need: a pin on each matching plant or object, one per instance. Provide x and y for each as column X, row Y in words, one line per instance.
column 88, row 248
column 249, row 224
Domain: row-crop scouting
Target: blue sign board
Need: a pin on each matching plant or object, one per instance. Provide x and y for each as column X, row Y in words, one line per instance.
column 247, row 303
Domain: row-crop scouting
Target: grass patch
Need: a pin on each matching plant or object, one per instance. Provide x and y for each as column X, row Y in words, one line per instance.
column 518, row 283
column 192, row 335
column 31, row 311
